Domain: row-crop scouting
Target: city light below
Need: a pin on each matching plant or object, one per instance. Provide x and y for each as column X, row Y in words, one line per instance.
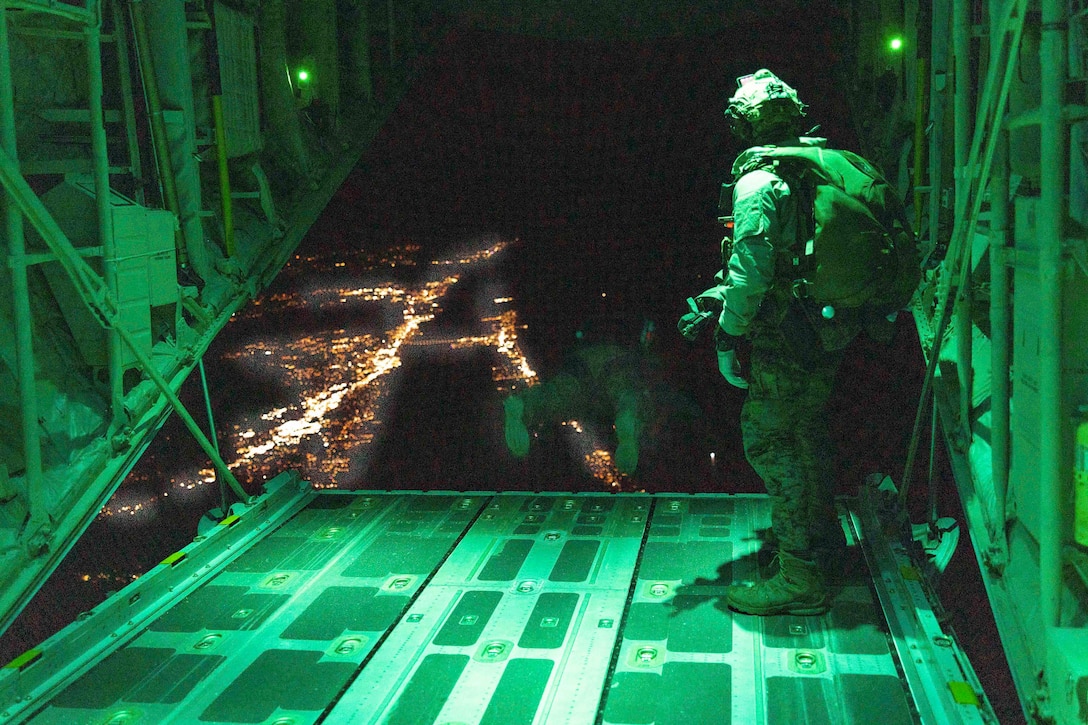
column 342, row 381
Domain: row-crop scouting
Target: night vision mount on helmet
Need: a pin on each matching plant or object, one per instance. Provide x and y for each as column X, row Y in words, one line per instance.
column 761, row 103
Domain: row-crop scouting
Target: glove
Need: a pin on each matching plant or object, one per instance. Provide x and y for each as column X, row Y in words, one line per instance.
column 728, row 365
column 695, row 321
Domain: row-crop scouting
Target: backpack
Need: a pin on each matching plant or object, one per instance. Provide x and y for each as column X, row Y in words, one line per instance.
column 855, row 247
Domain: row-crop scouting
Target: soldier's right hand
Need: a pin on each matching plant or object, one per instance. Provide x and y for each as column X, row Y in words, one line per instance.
column 695, row 321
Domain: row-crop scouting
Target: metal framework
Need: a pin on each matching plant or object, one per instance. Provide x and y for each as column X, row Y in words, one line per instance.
column 1019, row 527
column 98, row 293
column 40, row 518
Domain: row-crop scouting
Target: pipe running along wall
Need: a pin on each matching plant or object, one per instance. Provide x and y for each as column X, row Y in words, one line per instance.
column 103, row 206
column 24, row 338
column 159, row 136
column 1049, row 231
column 1000, row 389
column 962, row 118
column 215, row 90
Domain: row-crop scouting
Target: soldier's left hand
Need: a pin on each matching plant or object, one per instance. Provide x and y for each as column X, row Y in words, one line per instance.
column 729, row 367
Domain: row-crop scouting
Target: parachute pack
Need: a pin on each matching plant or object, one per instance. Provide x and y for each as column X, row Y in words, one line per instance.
column 856, row 248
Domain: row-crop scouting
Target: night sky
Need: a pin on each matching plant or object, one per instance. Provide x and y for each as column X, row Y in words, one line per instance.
column 598, row 164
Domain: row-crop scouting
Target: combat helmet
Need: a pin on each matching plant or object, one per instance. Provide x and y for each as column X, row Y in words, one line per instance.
column 764, row 108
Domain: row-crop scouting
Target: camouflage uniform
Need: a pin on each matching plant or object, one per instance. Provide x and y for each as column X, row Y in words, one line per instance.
column 795, row 355
column 784, row 429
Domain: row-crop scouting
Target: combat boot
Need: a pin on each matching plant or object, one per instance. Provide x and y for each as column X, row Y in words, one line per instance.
column 797, row 588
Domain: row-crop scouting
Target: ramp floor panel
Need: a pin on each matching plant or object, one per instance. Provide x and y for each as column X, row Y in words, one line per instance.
column 372, row 607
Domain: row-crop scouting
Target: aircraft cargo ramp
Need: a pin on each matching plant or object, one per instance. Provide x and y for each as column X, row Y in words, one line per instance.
column 496, row 608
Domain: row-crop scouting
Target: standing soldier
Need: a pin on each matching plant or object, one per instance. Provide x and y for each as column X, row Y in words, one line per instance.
column 797, row 343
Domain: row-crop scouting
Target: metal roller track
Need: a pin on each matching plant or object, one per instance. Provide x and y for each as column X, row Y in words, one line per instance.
column 499, row 609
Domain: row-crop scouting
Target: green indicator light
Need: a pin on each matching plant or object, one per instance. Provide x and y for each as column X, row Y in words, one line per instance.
column 896, row 43
column 303, row 75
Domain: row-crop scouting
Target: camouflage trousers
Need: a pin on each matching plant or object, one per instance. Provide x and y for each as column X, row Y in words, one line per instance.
column 784, row 429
